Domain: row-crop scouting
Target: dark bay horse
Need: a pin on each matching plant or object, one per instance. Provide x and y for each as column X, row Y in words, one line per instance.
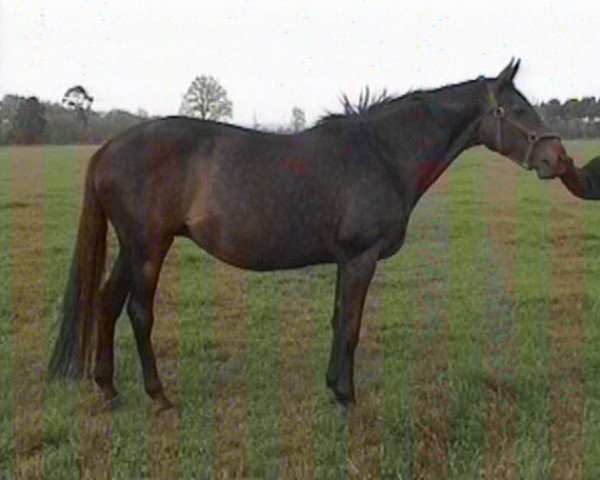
column 340, row 192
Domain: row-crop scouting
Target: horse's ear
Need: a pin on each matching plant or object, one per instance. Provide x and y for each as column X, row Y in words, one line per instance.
column 509, row 73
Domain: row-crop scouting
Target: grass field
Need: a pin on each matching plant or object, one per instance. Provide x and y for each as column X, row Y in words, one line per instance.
column 479, row 354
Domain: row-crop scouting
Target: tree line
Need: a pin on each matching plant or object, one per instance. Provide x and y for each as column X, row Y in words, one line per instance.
column 26, row 120
column 575, row 118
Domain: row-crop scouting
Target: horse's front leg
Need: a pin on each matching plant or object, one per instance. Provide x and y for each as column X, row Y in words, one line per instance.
column 354, row 278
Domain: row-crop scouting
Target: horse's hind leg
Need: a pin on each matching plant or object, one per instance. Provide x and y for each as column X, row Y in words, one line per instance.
column 112, row 297
column 145, row 269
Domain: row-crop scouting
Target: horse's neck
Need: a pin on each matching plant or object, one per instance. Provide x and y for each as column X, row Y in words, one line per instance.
column 455, row 112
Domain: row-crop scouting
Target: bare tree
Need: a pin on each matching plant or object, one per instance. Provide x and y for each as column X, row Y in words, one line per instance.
column 298, row 119
column 77, row 99
column 206, row 99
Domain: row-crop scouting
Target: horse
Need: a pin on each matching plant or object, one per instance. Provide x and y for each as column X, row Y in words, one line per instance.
column 340, row 192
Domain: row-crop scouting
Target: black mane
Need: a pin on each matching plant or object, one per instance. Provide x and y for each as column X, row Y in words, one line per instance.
column 367, row 103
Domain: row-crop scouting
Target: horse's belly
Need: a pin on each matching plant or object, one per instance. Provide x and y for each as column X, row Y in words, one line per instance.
column 244, row 245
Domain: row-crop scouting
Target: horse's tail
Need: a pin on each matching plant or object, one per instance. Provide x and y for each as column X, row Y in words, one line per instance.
column 75, row 345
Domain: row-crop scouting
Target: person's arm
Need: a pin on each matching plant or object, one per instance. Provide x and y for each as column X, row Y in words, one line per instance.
column 583, row 182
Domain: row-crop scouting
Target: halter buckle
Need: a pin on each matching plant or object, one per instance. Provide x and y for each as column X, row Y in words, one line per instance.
column 498, row 112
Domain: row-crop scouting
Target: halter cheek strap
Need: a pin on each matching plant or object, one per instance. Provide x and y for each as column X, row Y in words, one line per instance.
column 533, row 138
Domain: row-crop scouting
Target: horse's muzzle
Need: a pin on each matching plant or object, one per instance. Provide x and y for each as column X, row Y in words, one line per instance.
column 551, row 159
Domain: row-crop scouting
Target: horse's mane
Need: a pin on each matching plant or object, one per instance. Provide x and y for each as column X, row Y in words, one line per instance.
column 368, row 103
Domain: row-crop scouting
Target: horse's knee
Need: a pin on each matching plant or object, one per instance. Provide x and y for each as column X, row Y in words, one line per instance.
column 137, row 313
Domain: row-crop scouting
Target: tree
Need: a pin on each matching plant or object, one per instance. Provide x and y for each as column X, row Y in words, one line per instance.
column 8, row 110
column 77, row 99
column 298, row 119
column 29, row 123
column 551, row 111
column 206, row 99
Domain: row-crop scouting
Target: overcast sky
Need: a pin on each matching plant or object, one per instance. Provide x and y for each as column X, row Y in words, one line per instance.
column 274, row 55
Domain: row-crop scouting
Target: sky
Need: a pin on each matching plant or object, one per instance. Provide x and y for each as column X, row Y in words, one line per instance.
column 273, row 55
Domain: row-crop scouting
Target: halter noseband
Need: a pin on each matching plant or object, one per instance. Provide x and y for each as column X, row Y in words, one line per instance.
column 533, row 138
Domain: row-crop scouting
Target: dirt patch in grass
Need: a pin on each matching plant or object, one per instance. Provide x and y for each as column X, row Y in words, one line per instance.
column 500, row 203
column 230, row 383
column 567, row 265
column 432, row 327
column 28, row 314
column 297, row 377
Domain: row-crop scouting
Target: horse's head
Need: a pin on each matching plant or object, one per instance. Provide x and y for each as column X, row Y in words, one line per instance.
column 512, row 127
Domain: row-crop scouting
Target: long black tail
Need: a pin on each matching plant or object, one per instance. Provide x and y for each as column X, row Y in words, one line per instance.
column 75, row 345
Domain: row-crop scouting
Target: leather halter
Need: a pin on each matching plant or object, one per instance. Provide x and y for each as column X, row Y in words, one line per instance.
column 498, row 112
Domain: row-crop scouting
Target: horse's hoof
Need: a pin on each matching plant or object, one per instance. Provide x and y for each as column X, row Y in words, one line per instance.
column 106, row 405
column 344, row 399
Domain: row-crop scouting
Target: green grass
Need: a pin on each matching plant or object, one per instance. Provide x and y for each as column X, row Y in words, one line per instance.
column 62, row 172
column 5, row 313
column 196, row 357
column 467, row 353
